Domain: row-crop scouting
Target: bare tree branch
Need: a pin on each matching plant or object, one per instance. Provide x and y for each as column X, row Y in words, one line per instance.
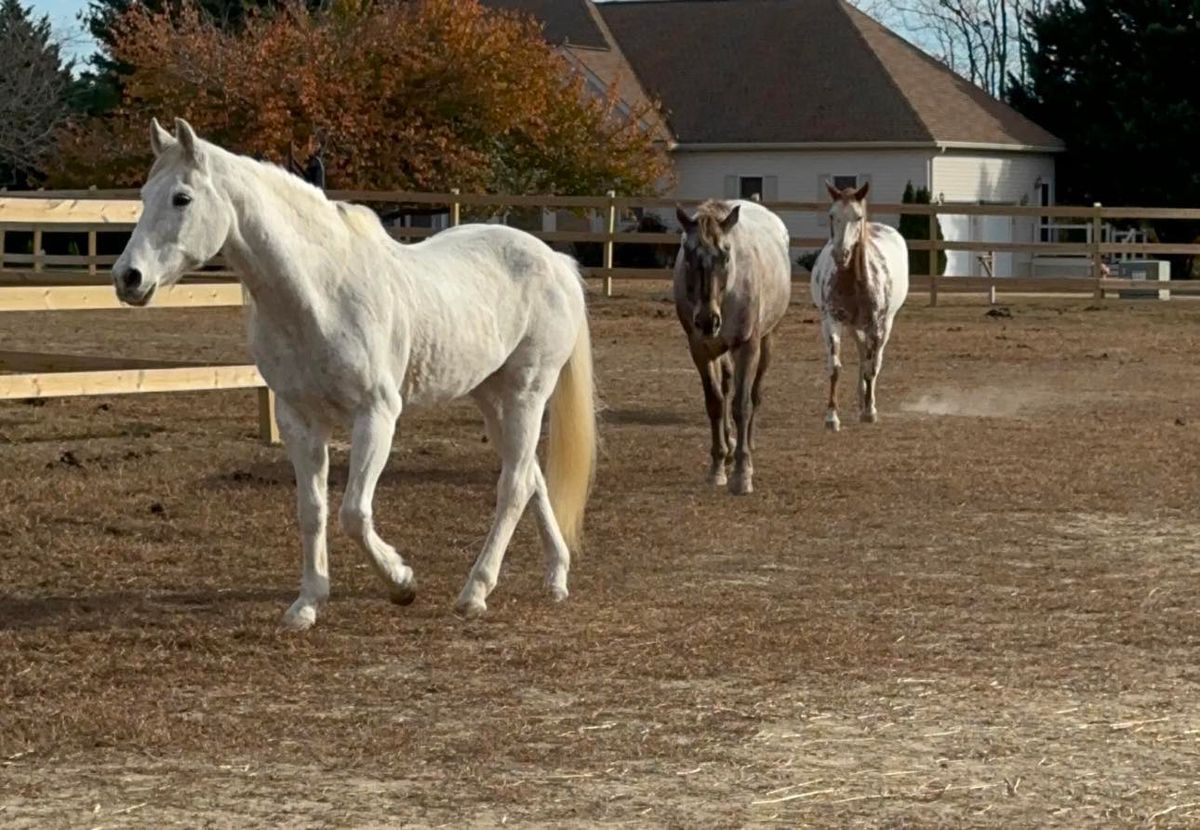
column 979, row 39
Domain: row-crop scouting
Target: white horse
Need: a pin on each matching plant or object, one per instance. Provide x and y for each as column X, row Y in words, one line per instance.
column 348, row 327
column 860, row 279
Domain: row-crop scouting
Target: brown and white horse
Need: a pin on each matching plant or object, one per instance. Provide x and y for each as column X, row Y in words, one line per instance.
column 859, row 280
column 733, row 283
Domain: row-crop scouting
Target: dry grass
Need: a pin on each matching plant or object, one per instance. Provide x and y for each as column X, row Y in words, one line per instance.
column 980, row 612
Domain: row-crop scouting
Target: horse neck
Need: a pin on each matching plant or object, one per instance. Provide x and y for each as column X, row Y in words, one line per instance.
column 278, row 261
column 861, row 273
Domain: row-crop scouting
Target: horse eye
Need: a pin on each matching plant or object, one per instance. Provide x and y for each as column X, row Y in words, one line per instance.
column 181, row 200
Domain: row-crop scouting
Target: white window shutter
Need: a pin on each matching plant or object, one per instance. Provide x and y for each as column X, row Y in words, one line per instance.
column 770, row 189
column 731, row 187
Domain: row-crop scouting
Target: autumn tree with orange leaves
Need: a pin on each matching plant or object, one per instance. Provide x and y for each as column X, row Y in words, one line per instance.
column 421, row 95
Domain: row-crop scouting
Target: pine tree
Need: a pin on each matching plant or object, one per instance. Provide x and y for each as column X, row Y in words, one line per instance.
column 1115, row 80
column 35, row 85
column 916, row 226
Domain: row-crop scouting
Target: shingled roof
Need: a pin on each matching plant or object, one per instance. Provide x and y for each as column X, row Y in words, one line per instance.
column 802, row 72
column 576, row 28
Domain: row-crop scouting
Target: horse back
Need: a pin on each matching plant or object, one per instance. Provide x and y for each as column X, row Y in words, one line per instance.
column 764, row 270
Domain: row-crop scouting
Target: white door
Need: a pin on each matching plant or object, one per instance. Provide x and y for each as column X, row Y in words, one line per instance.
column 957, row 228
column 992, row 229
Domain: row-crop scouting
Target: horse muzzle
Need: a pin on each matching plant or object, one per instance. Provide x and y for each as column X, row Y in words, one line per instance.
column 132, row 288
column 707, row 324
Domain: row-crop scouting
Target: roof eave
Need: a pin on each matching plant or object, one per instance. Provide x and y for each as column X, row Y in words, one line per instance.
column 745, row 146
column 997, row 146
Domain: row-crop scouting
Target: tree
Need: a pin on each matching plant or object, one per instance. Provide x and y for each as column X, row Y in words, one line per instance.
column 421, row 95
column 916, row 226
column 1114, row 80
column 103, row 16
column 35, row 86
column 978, row 39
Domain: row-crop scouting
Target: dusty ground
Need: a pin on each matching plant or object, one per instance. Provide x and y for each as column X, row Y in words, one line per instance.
column 981, row 612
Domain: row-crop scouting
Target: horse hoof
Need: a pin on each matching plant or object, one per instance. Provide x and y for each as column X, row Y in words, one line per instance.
column 404, row 595
column 833, row 425
column 299, row 618
column 471, row 609
column 558, row 593
column 717, row 479
column 741, row 485
column 869, row 417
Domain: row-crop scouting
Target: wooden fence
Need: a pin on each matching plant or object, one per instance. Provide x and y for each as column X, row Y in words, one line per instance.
column 37, row 281
column 73, row 282
column 611, row 207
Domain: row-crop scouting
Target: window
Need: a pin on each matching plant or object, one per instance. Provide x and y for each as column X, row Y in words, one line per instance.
column 750, row 187
column 844, row 181
column 432, row 220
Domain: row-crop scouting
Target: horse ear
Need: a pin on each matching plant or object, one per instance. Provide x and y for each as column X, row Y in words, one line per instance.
column 862, row 192
column 686, row 222
column 160, row 139
column 834, row 193
column 731, row 219
column 188, row 140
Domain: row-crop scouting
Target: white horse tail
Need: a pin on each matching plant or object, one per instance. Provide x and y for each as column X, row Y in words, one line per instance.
column 571, row 446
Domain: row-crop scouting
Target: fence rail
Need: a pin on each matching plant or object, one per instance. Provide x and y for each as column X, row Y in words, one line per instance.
column 34, row 280
column 79, row 282
column 93, row 212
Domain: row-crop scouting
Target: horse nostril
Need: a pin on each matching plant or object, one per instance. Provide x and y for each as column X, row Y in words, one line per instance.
column 716, row 323
column 131, row 278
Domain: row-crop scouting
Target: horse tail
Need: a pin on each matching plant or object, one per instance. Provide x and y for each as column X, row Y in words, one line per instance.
column 571, row 446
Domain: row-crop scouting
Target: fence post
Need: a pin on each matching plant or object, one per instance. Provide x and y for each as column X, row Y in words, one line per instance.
column 268, row 427
column 933, row 257
column 91, row 253
column 455, row 209
column 608, row 243
column 1097, row 262
column 1, row 249
column 37, row 248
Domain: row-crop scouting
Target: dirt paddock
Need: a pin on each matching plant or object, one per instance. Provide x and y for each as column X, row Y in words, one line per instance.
column 979, row 612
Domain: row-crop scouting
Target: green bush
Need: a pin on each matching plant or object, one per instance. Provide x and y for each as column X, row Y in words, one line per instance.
column 916, row 226
column 807, row 260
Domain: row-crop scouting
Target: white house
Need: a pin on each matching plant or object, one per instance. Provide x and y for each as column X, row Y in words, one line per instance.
column 773, row 97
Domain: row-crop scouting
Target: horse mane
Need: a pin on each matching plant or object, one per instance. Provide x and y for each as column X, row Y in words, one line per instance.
column 311, row 201
column 709, row 217
column 306, row 199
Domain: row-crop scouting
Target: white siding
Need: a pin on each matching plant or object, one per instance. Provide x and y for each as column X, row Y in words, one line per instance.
column 797, row 176
column 1002, row 178
column 995, row 177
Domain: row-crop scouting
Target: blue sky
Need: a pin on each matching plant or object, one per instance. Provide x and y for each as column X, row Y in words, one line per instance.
column 62, row 14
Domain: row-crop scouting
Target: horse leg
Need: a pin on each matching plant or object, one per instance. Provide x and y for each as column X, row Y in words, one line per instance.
column 307, row 446
column 554, row 547
column 764, row 360
column 714, row 402
column 869, row 354
column 518, row 459
column 726, row 384
column 371, row 443
column 831, row 332
column 876, row 342
column 745, row 369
